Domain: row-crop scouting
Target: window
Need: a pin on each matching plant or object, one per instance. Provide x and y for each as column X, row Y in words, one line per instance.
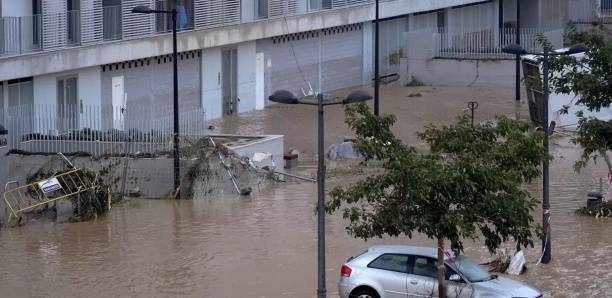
column 111, row 19
column 261, row 9
column 472, row 271
column 320, row 4
column 428, row 267
column 425, row 267
column 391, row 262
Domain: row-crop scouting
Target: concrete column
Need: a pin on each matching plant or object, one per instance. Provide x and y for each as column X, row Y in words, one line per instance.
column 368, row 54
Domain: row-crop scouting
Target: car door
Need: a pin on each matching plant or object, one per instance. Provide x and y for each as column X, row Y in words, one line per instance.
column 422, row 277
column 389, row 270
column 423, row 280
column 457, row 289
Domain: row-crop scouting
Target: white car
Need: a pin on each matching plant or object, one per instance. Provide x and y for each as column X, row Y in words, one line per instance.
column 391, row 271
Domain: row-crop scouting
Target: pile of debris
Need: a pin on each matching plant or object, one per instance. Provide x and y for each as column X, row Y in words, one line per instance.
column 218, row 169
column 596, row 206
column 505, row 263
column 602, row 209
column 88, row 191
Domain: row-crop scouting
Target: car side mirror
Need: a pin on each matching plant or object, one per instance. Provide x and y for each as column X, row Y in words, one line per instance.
column 455, row 277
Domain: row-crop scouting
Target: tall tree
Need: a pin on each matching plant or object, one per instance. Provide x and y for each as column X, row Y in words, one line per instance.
column 591, row 79
column 475, row 191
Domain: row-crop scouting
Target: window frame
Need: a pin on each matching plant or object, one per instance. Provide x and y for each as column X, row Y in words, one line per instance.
column 448, row 272
column 391, row 254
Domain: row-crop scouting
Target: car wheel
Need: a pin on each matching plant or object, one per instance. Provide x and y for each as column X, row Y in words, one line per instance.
column 365, row 294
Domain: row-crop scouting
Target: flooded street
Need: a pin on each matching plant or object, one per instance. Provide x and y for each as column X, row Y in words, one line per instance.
column 265, row 245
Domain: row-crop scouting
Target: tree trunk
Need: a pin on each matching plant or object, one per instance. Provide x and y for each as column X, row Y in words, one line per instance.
column 606, row 158
column 441, row 269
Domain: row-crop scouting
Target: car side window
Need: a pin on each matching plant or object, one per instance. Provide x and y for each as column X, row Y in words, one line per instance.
column 428, row 267
column 391, row 262
column 425, row 266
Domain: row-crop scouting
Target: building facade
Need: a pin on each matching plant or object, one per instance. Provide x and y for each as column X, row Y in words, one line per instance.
column 71, row 54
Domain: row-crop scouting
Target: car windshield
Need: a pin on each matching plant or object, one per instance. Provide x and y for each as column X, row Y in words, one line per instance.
column 472, row 271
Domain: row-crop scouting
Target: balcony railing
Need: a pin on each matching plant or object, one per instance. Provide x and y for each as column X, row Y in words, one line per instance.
column 73, row 28
column 111, row 23
column 20, row 35
column 57, row 30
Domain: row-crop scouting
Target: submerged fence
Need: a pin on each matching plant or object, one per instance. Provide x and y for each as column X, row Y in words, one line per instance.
column 100, row 130
column 475, row 43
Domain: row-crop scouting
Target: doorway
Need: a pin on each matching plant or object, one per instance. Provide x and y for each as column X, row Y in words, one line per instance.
column 67, row 104
column 229, row 81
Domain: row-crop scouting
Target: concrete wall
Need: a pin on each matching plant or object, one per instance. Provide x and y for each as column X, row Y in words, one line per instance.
column 106, row 53
column 294, row 60
column 454, row 72
column 154, row 177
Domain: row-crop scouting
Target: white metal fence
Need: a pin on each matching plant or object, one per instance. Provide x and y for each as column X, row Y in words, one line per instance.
column 487, row 43
column 99, row 129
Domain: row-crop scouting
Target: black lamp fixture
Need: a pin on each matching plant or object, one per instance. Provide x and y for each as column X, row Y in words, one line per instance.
column 547, row 127
column 175, row 136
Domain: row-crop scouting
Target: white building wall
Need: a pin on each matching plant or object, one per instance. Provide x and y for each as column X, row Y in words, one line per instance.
column 145, row 47
column 88, row 80
column 88, row 95
column 16, row 8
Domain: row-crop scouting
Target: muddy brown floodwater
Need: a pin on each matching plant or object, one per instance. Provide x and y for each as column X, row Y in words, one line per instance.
column 265, row 245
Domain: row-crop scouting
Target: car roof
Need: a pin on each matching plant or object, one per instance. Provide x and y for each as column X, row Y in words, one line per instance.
column 411, row 250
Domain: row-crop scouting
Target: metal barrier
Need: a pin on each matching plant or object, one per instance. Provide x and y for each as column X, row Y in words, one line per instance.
column 28, row 197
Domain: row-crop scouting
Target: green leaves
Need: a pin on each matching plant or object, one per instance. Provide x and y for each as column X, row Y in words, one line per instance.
column 591, row 79
column 476, row 192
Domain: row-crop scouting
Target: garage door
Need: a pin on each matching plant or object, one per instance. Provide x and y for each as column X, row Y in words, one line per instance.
column 330, row 57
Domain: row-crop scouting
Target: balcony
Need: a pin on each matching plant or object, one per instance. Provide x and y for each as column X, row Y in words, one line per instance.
column 110, row 20
column 20, row 35
column 184, row 21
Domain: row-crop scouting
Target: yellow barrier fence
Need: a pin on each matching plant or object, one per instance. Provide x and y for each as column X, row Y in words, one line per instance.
column 33, row 195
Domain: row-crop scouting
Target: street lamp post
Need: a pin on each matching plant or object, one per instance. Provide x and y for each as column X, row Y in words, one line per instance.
column 376, row 63
column 175, row 135
column 518, row 57
column 286, row 97
column 547, row 128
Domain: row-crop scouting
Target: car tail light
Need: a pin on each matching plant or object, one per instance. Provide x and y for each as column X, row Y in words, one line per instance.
column 345, row 271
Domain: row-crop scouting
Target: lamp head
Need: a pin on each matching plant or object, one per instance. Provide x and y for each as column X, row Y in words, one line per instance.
column 283, row 96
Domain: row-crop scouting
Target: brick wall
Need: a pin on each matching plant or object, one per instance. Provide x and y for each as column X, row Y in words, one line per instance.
column 342, row 49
